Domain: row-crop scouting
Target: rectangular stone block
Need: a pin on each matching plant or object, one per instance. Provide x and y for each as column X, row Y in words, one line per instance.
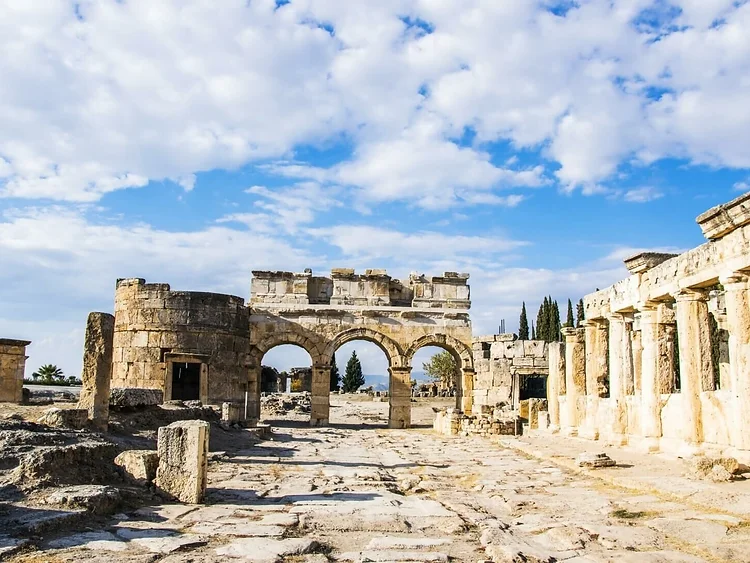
column 183, row 460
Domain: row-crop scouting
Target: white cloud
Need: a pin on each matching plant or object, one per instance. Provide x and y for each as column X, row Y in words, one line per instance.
column 643, row 194
column 741, row 186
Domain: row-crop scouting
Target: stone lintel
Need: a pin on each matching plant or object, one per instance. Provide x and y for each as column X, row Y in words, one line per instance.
column 16, row 343
column 342, row 272
column 721, row 220
column 452, row 278
column 644, row 261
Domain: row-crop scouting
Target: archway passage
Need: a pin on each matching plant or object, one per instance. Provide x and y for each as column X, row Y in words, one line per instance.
column 366, row 406
column 286, row 385
column 186, row 379
column 434, row 375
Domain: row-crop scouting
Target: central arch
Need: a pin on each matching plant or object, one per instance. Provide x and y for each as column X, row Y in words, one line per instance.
column 391, row 349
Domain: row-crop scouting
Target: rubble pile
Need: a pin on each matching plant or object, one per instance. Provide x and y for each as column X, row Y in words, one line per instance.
column 282, row 403
column 489, row 421
column 719, row 469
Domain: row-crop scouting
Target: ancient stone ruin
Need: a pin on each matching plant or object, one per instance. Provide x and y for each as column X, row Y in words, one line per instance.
column 12, row 368
column 663, row 359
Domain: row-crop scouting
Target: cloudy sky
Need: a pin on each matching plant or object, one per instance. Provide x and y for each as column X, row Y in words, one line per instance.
column 532, row 143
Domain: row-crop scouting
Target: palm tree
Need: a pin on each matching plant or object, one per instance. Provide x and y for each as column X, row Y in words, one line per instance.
column 48, row 372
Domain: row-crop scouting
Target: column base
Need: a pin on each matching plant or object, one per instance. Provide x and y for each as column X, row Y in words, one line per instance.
column 318, row 422
column 588, row 433
column 649, row 445
column 616, row 440
column 570, row 432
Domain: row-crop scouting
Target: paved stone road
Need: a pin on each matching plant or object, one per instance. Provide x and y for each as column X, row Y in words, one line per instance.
column 349, row 494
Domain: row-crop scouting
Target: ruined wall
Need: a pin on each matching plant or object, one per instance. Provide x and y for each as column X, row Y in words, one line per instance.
column 501, row 363
column 677, row 354
column 12, row 369
column 155, row 325
column 373, row 288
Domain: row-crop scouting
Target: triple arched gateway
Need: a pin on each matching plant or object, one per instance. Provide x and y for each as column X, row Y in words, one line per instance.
column 210, row 347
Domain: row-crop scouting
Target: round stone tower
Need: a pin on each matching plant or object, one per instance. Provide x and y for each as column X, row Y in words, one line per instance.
column 191, row 345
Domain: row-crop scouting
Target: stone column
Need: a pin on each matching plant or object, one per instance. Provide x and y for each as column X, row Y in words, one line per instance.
column 555, row 381
column 696, row 369
column 12, row 369
column 97, row 368
column 183, row 460
column 737, row 298
column 321, row 395
column 596, row 375
column 467, row 391
column 619, row 365
column 650, row 392
column 253, row 393
column 399, row 411
column 575, row 377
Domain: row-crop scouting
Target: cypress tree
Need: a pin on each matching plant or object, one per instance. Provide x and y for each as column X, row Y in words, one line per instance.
column 555, row 336
column 523, row 324
column 353, row 378
column 335, row 377
column 533, row 334
column 570, row 321
column 580, row 315
column 540, row 320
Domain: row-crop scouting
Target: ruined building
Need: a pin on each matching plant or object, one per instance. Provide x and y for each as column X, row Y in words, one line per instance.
column 210, row 347
column 663, row 359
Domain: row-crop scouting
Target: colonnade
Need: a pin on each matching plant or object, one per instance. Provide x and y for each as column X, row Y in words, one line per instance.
column 617, row 377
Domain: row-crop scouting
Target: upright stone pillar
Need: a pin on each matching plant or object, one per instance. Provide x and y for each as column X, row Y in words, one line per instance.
column 253, row 392
column 696, row 369
column 650, row 392
column 619, row 365
column 596, row 375
column 575, row 378
column 97, row 368
column 183, row 460
column 399, row 411
column 737, row 299
column 12, row 369
column 555, row 380
column 466, row 398
column 321, row 395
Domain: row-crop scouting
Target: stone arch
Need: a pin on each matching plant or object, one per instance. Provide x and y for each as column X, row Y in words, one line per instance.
column 391, row 349
column 460, row 351
column 313, row 346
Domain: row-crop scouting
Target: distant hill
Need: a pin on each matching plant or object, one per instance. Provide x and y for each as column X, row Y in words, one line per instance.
column 380, row 382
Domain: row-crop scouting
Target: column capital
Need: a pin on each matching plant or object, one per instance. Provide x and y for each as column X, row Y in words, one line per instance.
column 572, row 335
column 620, row 317
column 322, row 367
column 592, row 323
column 734, row 281
column 690, row 294
column 401, row 369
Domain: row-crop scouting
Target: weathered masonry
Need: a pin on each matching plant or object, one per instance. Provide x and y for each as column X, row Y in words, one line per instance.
column 663, row 359
column 210, row 347
column 12, row 366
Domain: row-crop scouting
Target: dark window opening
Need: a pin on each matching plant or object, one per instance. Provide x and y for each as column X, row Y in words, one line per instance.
column 533, row 387
column 676, row 379
column 186, row 381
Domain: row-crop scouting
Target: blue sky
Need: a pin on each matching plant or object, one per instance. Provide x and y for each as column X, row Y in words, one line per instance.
column 533, row 144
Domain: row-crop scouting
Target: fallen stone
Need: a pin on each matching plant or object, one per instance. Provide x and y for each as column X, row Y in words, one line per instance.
column 594, row 461
column 139, row 465
column 260, row 550
column 65, row 418
column 183, row 460
column 97, row 499
column 719, row 469
column 394, row 543
column 719, row 474
column 385, row 556
column 134, row 398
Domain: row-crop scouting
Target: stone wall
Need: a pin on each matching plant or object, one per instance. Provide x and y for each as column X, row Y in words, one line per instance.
column 497, row 423
column 501, row 363
column 373, row 288
column 156, row 327
column 663, row 359
column 12, row 369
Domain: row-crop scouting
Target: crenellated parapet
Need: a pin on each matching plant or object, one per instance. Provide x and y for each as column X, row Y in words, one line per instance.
column 374, row 288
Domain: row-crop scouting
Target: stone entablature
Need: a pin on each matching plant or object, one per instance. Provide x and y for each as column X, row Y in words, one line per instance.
column 503, row 366
column 373, row 288
column 663, row 359
column 12, row 368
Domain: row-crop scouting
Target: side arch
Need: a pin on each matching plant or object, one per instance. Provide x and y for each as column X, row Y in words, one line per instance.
column 392, row 350
column 460, row 351
column 313, row 346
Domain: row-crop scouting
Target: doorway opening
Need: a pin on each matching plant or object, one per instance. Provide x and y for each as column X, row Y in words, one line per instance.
column 186, row 381
column 533, row 387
